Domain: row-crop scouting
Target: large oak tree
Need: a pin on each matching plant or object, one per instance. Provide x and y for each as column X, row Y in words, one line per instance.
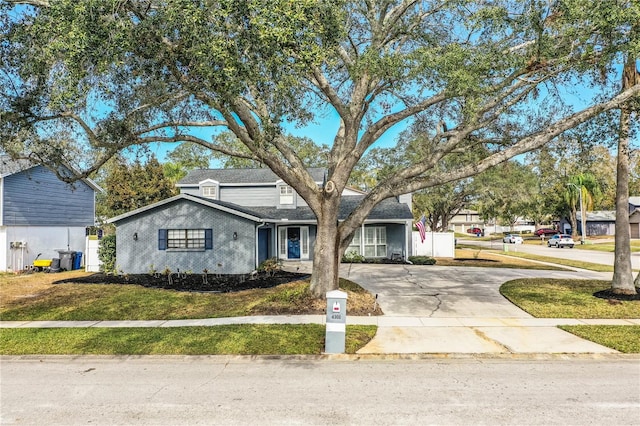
column 82, row 81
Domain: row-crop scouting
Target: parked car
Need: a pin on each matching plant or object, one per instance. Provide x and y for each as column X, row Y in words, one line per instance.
column 512, row 239
column 561, row 240
column 474, row 231
column 546, row 231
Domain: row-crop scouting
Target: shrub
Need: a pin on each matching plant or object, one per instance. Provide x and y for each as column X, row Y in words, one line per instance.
column 422, row 260
column 353, row 257
column 269, row 266
column 107, row 253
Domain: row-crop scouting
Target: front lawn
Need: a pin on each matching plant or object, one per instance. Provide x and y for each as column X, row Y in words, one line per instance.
column 243, row 339
column 556, row 298
column 37, row 297
column 623, row 338
column 547, row 298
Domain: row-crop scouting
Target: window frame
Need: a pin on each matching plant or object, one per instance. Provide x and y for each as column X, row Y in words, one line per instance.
column 375, row 241
column 207, row 189
column 286, row 198
column 185, row 239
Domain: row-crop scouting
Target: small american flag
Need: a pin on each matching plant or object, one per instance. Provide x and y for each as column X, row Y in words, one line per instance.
column 421, row 225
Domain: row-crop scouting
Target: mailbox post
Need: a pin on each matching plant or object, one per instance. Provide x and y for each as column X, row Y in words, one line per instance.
column 336, row 322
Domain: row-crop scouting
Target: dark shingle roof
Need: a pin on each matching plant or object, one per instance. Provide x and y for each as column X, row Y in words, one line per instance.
column 389, row 209
column 241, row 176
column 386, row 210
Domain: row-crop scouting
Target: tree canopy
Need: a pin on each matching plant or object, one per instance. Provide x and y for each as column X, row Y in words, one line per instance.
column 82, row 81
column 131, row 185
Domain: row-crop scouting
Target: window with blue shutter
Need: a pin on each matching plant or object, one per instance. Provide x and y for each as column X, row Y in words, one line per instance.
column 208, row 239
column 175, row 239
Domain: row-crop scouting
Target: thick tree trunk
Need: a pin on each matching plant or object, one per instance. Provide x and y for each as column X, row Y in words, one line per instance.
column 326, row 254
column 573, row 219
column 622, row 273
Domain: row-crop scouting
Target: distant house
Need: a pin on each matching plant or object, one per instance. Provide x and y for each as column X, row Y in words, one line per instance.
column 634, row 216
column 466, row 219
column 230, row 220
column 603, row 222
column 41, row 214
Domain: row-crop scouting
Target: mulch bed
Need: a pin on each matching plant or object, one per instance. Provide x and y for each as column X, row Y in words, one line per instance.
column 610, row 295
column 192, row 282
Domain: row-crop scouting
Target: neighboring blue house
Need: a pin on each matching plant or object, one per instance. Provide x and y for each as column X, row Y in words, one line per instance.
column 41, row 214
column 604, row 222
column 634, row 216
column 230, row 220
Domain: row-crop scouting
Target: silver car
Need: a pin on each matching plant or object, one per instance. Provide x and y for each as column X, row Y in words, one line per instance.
column 512, row 239
column 561, row 240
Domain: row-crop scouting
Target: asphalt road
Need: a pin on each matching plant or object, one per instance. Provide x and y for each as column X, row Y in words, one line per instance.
column 564, row 253
column 147, row 390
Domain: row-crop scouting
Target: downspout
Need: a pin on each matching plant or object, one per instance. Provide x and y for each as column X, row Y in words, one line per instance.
column 408, row 235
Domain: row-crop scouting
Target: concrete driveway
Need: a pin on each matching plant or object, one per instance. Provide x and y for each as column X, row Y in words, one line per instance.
column 445, row 291
column 434, row 309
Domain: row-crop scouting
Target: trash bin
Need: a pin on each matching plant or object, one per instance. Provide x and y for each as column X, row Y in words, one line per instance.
column 55, row 265
column 77, row 260
column 66, row 259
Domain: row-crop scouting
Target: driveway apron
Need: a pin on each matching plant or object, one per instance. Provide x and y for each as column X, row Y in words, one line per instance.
column 434, row 309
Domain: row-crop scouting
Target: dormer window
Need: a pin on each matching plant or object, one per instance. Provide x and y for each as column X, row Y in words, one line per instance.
column 286, row 195
column 210, row 191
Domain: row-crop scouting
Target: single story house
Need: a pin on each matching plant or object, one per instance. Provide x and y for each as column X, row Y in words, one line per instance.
column 230, row 220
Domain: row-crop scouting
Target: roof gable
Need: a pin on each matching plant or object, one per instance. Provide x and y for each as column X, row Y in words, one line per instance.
column 9, row 166
column 220, row 205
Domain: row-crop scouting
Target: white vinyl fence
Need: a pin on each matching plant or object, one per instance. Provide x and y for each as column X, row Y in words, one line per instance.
column 436, row 244
column 91, row 261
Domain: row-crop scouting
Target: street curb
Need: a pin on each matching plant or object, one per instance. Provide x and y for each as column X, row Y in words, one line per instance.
column 340, row 357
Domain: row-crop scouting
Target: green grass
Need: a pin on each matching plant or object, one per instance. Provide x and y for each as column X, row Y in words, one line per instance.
column 470, row 255
column 95, row 302
column 555, row 298
column 566, row 262
column 547, row 298
column 623, row 338
column 608, row 247
column 243, row 339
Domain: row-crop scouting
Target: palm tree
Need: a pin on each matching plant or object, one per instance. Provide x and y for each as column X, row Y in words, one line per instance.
column 584, row 185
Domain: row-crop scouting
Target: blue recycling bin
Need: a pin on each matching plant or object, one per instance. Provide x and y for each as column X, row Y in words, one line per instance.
column 77, row 260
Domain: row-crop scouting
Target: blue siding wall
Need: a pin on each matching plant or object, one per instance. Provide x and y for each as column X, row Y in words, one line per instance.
column 36, row 197
column 248, row 196
column 228, row 256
